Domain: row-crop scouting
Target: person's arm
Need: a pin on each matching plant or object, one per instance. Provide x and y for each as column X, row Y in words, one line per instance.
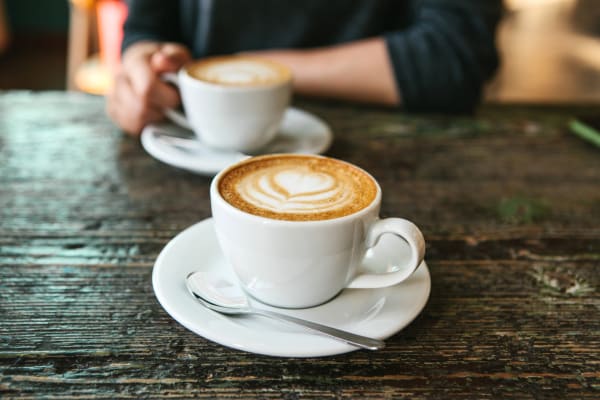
column 443, row 60
column 358, row 71
column 438, row 63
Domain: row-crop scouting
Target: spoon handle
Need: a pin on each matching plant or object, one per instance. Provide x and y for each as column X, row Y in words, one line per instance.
column 345, row 336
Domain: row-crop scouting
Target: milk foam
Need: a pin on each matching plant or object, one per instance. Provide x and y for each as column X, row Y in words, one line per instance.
column 295, row 189
column 238, row 72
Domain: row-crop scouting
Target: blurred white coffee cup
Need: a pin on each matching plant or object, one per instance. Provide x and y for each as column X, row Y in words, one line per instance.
column 232, row 103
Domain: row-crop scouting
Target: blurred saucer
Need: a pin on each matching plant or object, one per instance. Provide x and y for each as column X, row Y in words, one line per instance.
column 300, row 132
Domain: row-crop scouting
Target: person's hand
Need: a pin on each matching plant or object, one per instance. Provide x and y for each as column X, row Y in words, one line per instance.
column 138, row 95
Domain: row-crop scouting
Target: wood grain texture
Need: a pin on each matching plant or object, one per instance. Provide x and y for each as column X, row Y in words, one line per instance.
column 508, row 200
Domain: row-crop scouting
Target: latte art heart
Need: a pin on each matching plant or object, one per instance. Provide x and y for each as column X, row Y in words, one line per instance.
column 294, row 187
column 297, row 190
column 300, row 181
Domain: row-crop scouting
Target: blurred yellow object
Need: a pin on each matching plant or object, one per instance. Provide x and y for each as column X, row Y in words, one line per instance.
column 93, row 76
column 81, row 29
column 83, row 3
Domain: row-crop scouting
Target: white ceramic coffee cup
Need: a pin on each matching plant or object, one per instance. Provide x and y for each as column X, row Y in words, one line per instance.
column 297, row 264
column 226, row 117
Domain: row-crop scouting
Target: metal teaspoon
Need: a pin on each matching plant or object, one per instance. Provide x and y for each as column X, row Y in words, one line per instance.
column 211, row 296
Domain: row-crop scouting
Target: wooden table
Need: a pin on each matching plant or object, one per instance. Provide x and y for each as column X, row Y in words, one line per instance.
column 509, row 202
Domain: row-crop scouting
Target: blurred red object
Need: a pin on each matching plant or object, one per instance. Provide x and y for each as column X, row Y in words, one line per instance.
column 111, row 16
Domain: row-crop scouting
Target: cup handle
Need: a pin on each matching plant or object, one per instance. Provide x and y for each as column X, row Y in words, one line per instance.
column 172, row 114
column 407, row 231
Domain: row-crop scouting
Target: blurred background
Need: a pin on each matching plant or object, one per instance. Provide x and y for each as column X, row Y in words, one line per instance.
column 550, row 48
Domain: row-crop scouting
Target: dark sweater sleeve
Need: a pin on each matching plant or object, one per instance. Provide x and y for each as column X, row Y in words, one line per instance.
column 156, row 20
column 442, row 60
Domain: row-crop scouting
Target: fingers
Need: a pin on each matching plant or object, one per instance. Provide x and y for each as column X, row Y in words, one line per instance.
column 127, row 109
column 139, row 95
column 170, row 57
column 142, row 78
column 145, row 77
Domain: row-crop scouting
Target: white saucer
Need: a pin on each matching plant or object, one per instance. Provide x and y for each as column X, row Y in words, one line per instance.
column 379, row 313
column 300, row 132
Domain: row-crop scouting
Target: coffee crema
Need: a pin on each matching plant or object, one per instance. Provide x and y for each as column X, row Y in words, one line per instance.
column 239, row 71
column 297, row 187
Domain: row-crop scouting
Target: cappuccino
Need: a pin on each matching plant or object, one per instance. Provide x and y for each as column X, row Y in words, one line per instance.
column 297, row 187
column 239, row 71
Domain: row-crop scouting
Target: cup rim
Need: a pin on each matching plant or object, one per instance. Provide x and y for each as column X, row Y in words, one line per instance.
column 183, row 72
column 215, row 194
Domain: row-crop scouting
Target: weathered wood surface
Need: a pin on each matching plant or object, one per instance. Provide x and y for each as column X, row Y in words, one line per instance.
column 509, row 202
